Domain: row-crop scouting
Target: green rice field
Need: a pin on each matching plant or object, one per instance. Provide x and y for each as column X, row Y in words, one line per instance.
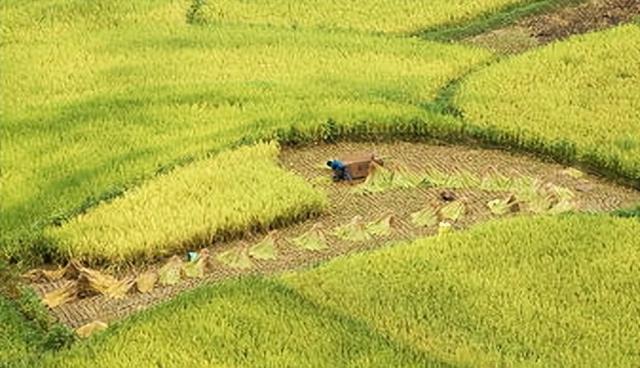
column 581, row 95
column 133, row 132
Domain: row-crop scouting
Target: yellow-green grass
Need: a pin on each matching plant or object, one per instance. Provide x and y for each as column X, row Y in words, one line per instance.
column 97, row 97
column 250, row 323
column 395, row 16
column 524, row 292
column 192, row 206
column 579, row 99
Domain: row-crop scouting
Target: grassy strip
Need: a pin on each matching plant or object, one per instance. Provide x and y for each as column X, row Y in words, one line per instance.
column 249, row 323
column 629, row 213
column 493, row 20
column 521, row 292
column 574, row 99
column 192, row 206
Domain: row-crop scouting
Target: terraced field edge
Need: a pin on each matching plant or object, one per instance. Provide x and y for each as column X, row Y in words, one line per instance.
column 492, row 20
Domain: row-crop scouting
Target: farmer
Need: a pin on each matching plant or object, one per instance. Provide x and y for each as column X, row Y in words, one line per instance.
column 340, row 170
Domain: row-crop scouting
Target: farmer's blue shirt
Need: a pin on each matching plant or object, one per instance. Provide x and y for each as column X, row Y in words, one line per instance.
column 337, row 165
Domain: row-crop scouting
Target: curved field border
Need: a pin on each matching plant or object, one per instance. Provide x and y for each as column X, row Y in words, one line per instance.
column 508, row 15
column 514, row 293
column 575, row 100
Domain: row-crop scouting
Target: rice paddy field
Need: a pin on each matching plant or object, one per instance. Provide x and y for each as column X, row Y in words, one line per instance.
column 165, row 199
column 503, row 294
column 580, row 94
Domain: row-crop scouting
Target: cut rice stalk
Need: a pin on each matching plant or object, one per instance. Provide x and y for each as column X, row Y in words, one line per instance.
column 62, row 295
column 235, row 258
column 57, row 274
column 104, row 284
column 169, row 274
column 573, row 173
column 197, row 268
column 404, row 179
column 38, row 275
column 381, row 227
column 498, row 207
column 439, row 179
column 453, row 211
column 562, row 207
column 562, row 193
column 146, row 281
column 444, row 228
column 380, row 179
column 497, row 183
column 91, row 328
column 355, row 231
column 424, row 218
column 265, row 249
column 313, row 239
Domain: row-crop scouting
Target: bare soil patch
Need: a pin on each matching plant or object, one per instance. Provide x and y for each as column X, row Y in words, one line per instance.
column 538, row 30
column 591, row 194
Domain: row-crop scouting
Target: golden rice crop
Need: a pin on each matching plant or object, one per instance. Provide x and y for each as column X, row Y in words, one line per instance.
column 243, row 323
column 579, row 98
column 192, row 206
column 534, row 291
column 362, row 15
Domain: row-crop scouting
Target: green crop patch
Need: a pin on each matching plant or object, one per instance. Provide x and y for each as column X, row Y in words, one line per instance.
column 192, row 206
column 516, row 293
column 128, row 90
column 242, row 324
column 397, row 16
column 18, row 337
column 577, row 100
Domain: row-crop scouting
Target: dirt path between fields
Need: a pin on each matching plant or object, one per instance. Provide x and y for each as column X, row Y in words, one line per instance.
column 559, row 24
column 589, row 194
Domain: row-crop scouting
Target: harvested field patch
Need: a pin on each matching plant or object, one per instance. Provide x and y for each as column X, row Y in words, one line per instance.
column 386, row 216
column 537, row 30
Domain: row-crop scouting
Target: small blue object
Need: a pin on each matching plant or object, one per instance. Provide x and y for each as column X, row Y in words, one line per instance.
column 192, row 256
column 336, row 165
column 340, row 170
